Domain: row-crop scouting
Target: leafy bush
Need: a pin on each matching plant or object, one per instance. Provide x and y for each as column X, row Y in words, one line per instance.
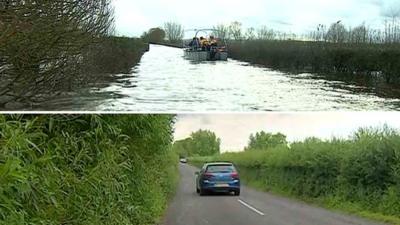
column 85, row 169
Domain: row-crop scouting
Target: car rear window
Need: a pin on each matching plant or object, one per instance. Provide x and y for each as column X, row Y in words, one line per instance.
column 220, row 169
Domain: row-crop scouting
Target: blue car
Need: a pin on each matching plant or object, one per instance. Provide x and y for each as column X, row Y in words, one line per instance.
column 218, row 177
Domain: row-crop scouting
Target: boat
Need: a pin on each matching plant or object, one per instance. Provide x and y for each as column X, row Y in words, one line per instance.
column 214, row 53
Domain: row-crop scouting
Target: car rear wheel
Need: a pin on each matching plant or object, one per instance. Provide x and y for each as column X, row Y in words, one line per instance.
column 202, row 192
column 237, row 193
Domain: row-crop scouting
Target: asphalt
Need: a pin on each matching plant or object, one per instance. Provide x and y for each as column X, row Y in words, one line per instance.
column 251, row 208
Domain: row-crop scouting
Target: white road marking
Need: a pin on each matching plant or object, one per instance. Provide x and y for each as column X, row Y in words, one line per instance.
column 251, row 207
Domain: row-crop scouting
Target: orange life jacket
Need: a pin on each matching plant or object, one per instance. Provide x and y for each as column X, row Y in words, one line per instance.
column 204, row 42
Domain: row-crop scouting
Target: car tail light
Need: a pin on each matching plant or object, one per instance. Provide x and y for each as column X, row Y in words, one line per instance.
column 208, row 175
column 235, row 175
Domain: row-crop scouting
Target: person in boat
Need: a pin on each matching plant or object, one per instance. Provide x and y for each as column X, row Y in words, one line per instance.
column 213, row 41
column 212, row 47
column 195, row 43
column 204, row 43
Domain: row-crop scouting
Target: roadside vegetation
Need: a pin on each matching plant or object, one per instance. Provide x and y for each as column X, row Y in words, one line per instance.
column 89, row 169
column 360, row 175
column 114, row 55
column 334, row 50
column 51, row 47
column 375, row 61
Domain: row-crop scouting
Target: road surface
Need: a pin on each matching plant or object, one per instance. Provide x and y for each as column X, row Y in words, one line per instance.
column 251, row 208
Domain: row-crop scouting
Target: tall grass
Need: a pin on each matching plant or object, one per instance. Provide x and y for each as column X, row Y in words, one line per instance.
column 85, row 169
column 363, row 173
column 345, row 59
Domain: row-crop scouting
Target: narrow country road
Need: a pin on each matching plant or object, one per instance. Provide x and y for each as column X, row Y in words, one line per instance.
column 251, row 208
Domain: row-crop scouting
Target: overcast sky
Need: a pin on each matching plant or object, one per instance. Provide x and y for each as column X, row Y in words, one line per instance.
column 133, row 17
column 235, row 129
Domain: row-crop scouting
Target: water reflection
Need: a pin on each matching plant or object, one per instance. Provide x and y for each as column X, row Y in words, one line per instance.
column 164, row 81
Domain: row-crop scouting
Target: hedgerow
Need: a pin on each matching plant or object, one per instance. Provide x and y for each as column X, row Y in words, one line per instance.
column 88, row 169
column 342, row 59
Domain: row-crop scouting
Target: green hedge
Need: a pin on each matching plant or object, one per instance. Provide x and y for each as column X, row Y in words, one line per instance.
column 85, row 169
column 113, row 55
column 363, row 172
column 320, row 57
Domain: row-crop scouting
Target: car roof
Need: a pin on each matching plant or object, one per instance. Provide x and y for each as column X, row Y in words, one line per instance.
column 218, row 163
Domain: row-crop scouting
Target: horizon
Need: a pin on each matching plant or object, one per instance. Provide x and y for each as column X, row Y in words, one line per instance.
column 133, row 18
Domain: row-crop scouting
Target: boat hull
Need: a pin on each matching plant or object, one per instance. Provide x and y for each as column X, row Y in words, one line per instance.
column 205, row 56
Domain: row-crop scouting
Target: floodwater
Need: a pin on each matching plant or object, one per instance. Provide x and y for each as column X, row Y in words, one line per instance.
column 165, row 82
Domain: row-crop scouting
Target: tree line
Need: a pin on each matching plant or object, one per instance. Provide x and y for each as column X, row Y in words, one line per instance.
column 206, row 143
column 337, row 32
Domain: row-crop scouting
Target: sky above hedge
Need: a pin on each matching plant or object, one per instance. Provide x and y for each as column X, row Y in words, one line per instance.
column 235, row 129
column 133, row 17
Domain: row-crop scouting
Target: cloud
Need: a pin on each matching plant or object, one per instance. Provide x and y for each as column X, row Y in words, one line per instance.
column 390, row 9
column 281, row 22
column 137, row 16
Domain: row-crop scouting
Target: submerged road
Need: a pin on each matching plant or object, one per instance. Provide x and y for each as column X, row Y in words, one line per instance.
column 251, row 208
column 164, row 81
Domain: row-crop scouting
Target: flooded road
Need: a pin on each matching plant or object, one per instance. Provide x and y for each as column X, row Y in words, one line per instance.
column 165, row 82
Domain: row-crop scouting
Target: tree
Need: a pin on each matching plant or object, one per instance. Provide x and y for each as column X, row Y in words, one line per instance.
column 319, row 34
column 202, row 143
column 205, row 143
column 265, row 34
column 183, row 147
column 337, row 33
column 174, row 32
column 235, row 30
column 359, row 34
column 251, row 33
column 264, row 141
column 221, row 32
column 154, row 35
column 392, row 25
